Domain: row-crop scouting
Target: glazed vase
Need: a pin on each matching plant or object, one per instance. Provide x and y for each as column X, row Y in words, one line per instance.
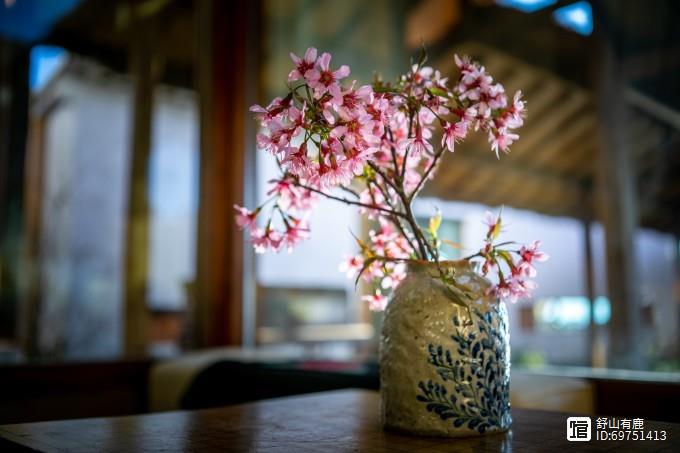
column 444, row 354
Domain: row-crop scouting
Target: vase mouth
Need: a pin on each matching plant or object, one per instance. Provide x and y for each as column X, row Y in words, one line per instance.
column 416, row 265
column 461, row 271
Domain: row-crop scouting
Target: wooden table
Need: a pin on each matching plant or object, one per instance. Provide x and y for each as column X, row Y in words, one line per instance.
column 345, row 420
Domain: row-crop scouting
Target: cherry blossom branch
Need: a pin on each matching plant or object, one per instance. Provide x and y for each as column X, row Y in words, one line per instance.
column 382, row 174
column 423, row 247
column 394, row 154
column 417, row 231
column 347, row 200
column 350, row 131
column 403, row 163
column 395, row 220
column 423, row 244
column 427, row 172
column 349, row 191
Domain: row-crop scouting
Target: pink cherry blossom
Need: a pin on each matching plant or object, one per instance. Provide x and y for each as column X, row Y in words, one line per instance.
column 501, row 139
column 454, row 132
column 332, row 175
column 323, row 80
column 297, row 118
column 421, row 75
column 266, row 239
column 245, row 218
column 355, row 160
column 515, row 281
column 530, row 253
column 278, row 138
column 352, row 100
column 297, row 230
column 493, row 222
column 376, row 301
column 274, row 110
column 302, row 65
column 290, row 195
column 296, row 161
column 419, row 144
column 352, row 265
column 513, row 116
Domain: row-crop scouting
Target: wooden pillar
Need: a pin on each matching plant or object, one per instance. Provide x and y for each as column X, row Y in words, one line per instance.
column 137, row 243
column 597, row 356
column 14, row 98
column 596, row 350
column 29, row 314
column 225, row 83
column 590, row 287
column 617, row 208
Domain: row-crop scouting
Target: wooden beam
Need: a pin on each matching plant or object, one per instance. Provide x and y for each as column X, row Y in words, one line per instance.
column 539, row 190
column 542, row 100
column 643, row 137
column 505, row 184
column 576, row 134
column 553, row 123
column 578, row 158
column 137, row 245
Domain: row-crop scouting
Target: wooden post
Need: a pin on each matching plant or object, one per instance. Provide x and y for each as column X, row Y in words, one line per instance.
column 618, row 211
column 29, row 314
column 225, row 84
column 14, row 100
column 590, row 288
column 594, row 352
column 137, row 240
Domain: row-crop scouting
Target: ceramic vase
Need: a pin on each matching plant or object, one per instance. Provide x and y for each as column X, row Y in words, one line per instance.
column 445, row 354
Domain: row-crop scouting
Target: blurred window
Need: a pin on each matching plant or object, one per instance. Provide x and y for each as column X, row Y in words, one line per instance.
column 571, row 313
column 82, row 112
column 305, row 288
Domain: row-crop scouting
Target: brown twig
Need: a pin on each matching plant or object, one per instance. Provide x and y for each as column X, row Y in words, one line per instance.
column 348, row 201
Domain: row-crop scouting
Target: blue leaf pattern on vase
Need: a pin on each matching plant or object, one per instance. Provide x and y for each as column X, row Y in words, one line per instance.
column 476, row 386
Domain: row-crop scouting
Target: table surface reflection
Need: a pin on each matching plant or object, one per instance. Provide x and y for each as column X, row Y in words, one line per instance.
column 345, row 420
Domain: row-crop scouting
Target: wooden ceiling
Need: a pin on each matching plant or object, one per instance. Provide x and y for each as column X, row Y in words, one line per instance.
column 552, row 168
column 102, row 30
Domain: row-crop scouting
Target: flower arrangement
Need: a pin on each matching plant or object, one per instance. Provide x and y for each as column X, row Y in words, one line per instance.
column 373, row 147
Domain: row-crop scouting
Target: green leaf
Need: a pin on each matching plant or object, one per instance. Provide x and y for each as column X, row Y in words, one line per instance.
column 438, row 92
column 496, row 230
column 435, row 223
column 506, row 256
